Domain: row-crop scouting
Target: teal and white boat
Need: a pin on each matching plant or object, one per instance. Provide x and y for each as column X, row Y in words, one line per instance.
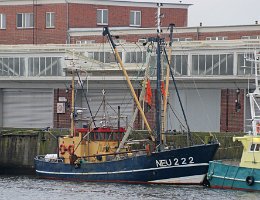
column 246, row 176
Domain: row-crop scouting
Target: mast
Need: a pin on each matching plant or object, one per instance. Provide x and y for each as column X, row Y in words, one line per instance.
column 165, row 97
column 106, row 32
column 254, row 98
column 72, row 104
column 158, row 99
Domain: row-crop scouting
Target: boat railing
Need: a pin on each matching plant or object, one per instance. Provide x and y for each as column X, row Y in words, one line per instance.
column 54, row 160
column 115, row 153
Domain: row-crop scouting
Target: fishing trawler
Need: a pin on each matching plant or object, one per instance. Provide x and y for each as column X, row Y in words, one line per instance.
column 246, row 176
column 104, row 154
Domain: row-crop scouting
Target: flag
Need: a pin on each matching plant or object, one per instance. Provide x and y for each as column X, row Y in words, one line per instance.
column 148, row 94
column 162, row 89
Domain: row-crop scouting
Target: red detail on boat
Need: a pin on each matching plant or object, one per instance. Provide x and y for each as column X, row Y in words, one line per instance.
column 101, row 130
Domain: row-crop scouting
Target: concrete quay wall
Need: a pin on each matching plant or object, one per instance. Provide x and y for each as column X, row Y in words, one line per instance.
column 19, row 148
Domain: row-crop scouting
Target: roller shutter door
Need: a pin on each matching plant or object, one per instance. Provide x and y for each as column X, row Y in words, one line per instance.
column 202, row 110
column 28, row 108
column 114, row 98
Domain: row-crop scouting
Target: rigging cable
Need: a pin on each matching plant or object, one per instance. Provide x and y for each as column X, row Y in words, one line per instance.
column 178, row 95
column 86, row 98
column 176, row 116
column 201, row 100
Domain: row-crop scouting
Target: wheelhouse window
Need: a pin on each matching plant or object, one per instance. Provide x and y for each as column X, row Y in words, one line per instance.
column 102, row 16
column 25, row 20
column 50, row 20
column 2, row 21
column 255, row 147
column 135, row 18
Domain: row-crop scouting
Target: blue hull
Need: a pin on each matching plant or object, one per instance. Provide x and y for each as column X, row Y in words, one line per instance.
column 168, row 167
column 225, row 176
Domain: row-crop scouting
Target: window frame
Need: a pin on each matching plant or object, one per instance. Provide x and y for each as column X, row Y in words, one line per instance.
column 25, row 20
column 217, row 38
column 254, row 147
column 51, row 19
column 135, row 18
column 212, row 64
column 102, row 17
column 2, row 21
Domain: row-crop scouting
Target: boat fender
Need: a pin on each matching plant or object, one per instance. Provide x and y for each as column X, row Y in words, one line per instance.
column 62, row 149
column 209, row 176
column 250, row 180
column 77, row 166
column 148, row 149
column 206, row 182
column 107, row 147
column 99, row 158
column 258, row 128
column 71, row 149
column 73, row 158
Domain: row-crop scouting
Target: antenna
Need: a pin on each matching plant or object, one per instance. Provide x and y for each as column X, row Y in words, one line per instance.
column 158, row 17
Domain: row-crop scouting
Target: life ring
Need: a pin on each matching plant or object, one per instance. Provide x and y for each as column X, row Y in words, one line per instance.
column 71, row 149
column 62, row 149
column 250, row 180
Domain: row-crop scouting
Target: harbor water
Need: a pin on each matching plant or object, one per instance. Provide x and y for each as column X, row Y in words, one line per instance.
column 30, row 187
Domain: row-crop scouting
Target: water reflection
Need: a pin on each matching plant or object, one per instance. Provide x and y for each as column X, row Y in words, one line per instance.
column 29, row 187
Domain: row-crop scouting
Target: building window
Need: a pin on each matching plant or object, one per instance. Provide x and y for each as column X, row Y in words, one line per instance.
column 50, row 19
column 12, row 66
column 102, row 16
column 245, row 66
column 216, row 64
column 180, row 64
column 2, row 21
column 85, row 42
column 135, row 18
column 217, row 38
column 135, row 57
column 103, row 57
column 44, row 66
column 250, row 37
column 25, row 20
column 181, row 39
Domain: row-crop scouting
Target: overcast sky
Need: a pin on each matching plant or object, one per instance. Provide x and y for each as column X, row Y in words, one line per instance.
column 220, row 12
column 223, row 12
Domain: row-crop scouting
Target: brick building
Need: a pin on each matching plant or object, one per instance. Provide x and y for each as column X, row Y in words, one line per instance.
column 33, row 83
column 45, row 21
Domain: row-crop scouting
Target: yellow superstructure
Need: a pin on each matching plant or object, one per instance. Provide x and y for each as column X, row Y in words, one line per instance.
column 251, row 151
column 88, row 149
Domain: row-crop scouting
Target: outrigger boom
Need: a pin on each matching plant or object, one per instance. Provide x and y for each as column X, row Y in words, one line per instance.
column 106, row 32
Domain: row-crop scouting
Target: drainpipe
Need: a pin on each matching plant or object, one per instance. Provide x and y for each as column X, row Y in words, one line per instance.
column 198, row 31
column 227, row 101
column 1, row 108
column 67, row 21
